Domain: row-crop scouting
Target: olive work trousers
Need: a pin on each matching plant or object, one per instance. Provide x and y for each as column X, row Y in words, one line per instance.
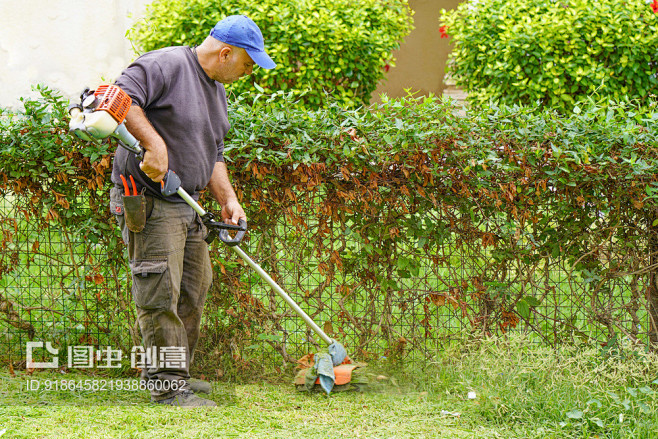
column 171, row 275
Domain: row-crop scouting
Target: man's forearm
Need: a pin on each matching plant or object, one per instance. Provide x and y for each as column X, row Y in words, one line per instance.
column 221, row 188
column 220, row 185
column 156, row 159
column 140, row 127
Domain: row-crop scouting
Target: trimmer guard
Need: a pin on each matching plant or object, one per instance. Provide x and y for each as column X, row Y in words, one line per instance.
column 343, row 374
column 346, row 379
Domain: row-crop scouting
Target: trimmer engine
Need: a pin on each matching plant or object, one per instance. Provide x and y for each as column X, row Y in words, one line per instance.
column 100, row 114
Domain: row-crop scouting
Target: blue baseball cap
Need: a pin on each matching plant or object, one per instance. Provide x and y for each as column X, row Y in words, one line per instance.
column 241, row 31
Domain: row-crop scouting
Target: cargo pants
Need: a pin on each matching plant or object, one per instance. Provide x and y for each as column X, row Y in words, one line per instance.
column 171, row 275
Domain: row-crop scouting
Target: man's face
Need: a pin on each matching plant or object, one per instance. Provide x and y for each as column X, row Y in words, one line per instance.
column 234, row 66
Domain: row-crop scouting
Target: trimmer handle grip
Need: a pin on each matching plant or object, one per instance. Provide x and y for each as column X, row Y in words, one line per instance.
column 231, row 242
column 170, row 183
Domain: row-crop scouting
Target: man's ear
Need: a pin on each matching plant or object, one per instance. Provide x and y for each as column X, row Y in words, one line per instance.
column 225, row 53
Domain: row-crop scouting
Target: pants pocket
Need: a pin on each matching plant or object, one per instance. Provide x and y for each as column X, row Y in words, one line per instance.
column 151, row 284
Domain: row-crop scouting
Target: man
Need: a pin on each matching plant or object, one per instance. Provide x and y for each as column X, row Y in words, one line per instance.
column 179, row 115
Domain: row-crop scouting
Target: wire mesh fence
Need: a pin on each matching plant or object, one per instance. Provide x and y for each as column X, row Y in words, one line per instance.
column 55, row 286
column 417, row 294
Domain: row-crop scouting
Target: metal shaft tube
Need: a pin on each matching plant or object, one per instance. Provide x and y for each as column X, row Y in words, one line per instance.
column 300, row 312
column 189, row 200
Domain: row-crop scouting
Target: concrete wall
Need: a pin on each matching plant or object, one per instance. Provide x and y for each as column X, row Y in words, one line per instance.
column 71, row 44
column 421, row 59
column 65, row 44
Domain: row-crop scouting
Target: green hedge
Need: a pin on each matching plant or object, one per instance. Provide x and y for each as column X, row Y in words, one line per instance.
column 39, row 157
column 398, row 226
column 324, row 49
column 554, row 52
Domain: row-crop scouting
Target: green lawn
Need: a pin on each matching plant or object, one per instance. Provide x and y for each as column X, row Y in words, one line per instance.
column 253, row 411
column 521, row 390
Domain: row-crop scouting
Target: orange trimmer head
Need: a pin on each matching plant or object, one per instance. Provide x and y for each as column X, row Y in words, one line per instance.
column 347, row 376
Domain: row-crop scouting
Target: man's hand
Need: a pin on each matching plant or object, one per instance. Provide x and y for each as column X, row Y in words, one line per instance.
column 220, row 187
column 156, row 162
column 232, row 212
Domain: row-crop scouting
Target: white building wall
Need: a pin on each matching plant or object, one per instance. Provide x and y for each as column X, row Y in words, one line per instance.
column 64, row 44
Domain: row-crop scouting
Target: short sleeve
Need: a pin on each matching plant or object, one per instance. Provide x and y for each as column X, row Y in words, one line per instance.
column 143, row 80
column 220, row 151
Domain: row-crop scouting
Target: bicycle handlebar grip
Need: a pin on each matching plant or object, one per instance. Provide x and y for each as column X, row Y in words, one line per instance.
column 232, row 242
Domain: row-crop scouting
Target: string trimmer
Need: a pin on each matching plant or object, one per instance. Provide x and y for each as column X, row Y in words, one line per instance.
column 101, row 114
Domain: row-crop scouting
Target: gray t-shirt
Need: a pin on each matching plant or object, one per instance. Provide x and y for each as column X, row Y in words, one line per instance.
column 187, row 109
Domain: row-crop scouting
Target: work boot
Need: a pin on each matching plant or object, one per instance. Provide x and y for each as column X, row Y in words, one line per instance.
column 187, row 398
column 199, row 386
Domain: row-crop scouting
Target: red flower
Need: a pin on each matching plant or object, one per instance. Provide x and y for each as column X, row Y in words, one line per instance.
column 654, row 6
column 444, row 34
column 388, row 67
